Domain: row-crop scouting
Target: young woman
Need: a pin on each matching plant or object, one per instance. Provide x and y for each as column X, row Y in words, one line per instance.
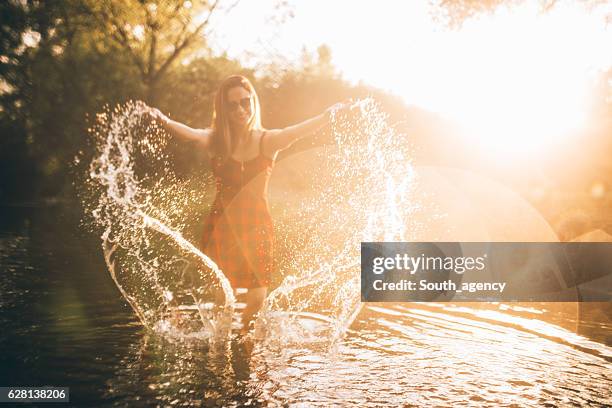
column 238, row 233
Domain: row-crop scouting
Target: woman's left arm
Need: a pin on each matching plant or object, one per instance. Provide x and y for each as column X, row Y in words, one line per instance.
column 279, row 139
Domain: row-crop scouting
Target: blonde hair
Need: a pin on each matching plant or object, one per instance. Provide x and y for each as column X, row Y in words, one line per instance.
column 223, row 141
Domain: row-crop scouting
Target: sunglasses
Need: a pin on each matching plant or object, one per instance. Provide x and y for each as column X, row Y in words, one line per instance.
column 245, row 103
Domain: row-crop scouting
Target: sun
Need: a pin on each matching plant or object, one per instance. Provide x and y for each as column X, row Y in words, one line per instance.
column 517, row 81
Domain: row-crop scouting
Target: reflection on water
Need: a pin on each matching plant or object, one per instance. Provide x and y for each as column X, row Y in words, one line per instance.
column 185, row 373
column 396, row 355
column 422, row 356
column 65, row 324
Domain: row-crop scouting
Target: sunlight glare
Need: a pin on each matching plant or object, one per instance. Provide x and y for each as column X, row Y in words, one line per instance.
column 518, row 80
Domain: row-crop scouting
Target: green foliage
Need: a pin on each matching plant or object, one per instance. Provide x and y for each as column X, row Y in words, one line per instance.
column 54, row 75
column 155, row 35
column 62, row 61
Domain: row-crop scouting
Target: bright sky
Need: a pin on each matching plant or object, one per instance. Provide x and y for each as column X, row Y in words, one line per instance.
column 517, row 72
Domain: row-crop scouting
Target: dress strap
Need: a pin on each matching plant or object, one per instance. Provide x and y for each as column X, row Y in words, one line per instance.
column 261, row 143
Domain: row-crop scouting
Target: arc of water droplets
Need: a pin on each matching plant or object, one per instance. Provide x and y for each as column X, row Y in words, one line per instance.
column 122, row 207
column 158, row 226
column 372, row 161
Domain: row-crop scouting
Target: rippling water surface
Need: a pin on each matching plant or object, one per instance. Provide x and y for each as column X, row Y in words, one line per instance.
column 65, row 324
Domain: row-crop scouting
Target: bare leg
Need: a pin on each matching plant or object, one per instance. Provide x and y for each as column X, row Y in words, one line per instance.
column 254, row 299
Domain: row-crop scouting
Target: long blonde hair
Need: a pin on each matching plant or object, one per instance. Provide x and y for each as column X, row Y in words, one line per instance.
column 223, row 141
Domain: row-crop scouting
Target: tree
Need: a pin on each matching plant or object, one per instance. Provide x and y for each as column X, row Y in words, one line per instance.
column 455, row 12
column 155, row 34
column 62, row 61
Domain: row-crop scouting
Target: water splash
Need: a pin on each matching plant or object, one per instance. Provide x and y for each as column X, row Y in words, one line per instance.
column 362, row 184
column 141, row 208
column 360, row 191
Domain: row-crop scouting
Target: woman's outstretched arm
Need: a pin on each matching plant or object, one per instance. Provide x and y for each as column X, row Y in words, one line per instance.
column 279, row 139
column 182, row 131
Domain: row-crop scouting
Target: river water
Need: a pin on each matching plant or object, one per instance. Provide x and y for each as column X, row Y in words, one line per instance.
column 64, row 323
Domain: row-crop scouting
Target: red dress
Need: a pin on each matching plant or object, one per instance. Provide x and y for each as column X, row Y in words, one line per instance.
column 238, row 233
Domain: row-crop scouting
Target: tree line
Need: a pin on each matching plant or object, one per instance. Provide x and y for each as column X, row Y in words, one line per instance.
column 61, row 62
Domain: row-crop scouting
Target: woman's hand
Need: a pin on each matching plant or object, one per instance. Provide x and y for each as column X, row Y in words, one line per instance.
column 158, row 116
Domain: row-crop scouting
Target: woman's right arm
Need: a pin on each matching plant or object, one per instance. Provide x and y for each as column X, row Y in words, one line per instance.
column 182, row 131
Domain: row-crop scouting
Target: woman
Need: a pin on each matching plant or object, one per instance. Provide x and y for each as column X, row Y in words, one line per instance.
column 238, row 233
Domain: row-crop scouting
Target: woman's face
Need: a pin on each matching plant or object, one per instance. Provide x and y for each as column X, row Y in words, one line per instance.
column 239, row 105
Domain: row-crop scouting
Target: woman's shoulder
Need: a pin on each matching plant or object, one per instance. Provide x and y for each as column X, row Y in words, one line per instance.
column 265, row 149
